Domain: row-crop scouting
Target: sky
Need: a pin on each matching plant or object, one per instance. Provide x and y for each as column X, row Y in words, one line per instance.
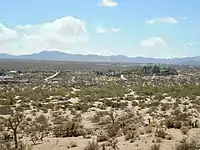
column 148, row 28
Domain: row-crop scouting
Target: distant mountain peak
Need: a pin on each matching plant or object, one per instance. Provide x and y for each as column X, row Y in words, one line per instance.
column 55, row 55
column 53, row 51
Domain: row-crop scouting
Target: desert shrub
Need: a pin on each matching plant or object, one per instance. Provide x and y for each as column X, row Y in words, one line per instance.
column 160, row 133
column 142, row 104
column 96, row 118
column 77, row 118
column 134, row 103
column 28, row 119
column 177, row 124
column 130, row 135
column 180, row 116
column 154, row 104
column 9, row 101
column 56, row 114
column 49, row 106
column 103, row 146
column 184, row 130
column 26, row 106
column 159, row 96
column 187, row 146
column 58, row 107
column 113, row 116
column 45, row 110
column 101, row 106
column 149, row 129
column 113, row 143
column 109, row 103
column 101, row 113
column 102, row 138
column 59, row 119
column 5, row 145
column 33, row 113
column 125, row 130
column 19, row 108
column 41, row 119
column 123, row 105
column 169, row 123
column 112, row 130
column 155, row 147
column 164, row 107
column 6, row 110
column 92, row 146
column 82, row 107
column 8, row 146
column 34, row 138
column 41, row 123
column 68, row 129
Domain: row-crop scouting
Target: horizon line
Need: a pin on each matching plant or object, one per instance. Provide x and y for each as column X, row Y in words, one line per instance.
column 99, row 55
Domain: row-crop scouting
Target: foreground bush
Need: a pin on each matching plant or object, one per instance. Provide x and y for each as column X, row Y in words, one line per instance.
column 155, row 147
column 92, row 146
column 187, row 146
column 69, row 129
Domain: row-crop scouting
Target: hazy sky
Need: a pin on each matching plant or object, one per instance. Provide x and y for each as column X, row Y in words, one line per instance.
column 150, row 28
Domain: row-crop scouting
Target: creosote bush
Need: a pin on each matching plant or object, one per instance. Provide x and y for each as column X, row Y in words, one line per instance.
column 102, row 138
column 169, row 123
column 130, row 135
column 187, row 146
column 184, row 130
column 92, row 146
column 68, row 129
column 160, row 133
column 155, row 147
column 112, row 130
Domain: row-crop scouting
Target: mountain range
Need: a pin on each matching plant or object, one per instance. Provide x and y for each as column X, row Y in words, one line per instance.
column 61, row 56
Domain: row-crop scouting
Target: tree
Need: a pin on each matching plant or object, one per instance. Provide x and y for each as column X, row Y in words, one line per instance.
column 112, row 116
column 13, row 123
column 156, row 70
column 145, row 70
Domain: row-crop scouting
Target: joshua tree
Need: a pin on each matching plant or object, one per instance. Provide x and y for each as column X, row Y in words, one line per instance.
column 13, row 123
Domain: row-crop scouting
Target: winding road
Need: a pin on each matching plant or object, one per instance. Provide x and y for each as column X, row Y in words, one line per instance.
column 48, row 78
column 53, row 76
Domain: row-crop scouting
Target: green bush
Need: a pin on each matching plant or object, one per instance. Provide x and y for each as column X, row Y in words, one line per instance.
column 68, row 129
column 160, row 133
column 92, row 146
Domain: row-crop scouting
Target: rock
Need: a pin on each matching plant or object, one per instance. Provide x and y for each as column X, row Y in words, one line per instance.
column 168, row 137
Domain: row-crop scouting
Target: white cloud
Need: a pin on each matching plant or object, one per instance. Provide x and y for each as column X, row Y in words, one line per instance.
column 191, row 43
column 7, row 34
column 102, row 30
column 152, row 42
column 25, row 27
column 115, row 29
column 109, row 3
column 171, row 20
column 66, row 33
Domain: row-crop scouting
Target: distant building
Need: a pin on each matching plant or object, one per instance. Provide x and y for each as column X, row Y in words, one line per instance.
column 108, row 73
column 13, row 71
column 6, row 79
